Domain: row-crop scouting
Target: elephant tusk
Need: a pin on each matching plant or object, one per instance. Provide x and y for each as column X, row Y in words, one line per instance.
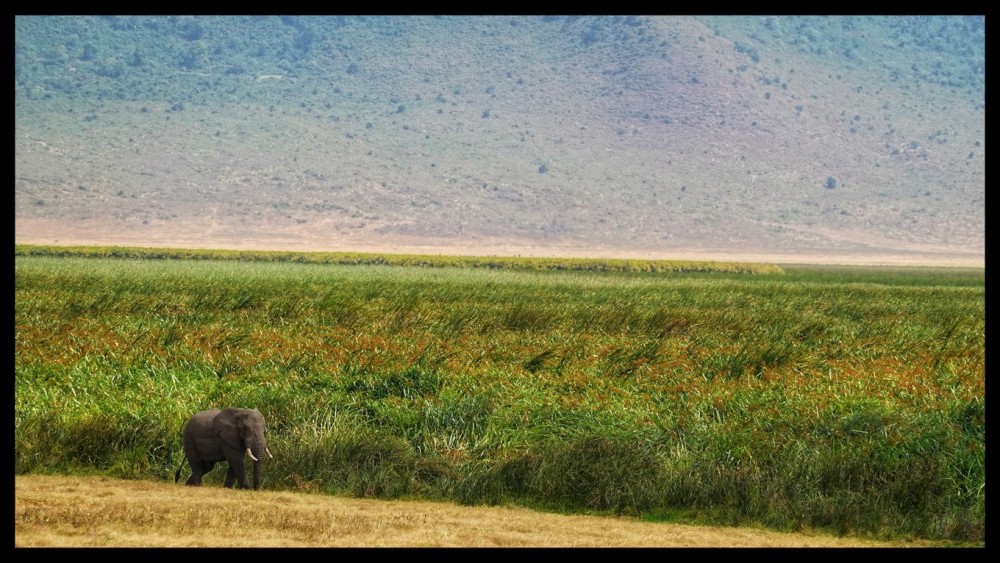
column 268, row 452
column 249, row 453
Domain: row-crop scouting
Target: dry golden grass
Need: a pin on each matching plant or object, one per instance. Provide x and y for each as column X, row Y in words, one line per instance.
column 56, row 511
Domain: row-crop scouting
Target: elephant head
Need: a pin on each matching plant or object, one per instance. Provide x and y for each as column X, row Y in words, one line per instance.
column 228, row 435
column 242, row 430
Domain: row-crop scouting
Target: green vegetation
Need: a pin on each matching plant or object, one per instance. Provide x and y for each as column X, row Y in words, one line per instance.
column 124, row 55
column 421, row 260
column 847, row 399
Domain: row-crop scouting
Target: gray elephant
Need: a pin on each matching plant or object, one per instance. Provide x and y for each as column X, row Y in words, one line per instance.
column 228, row 435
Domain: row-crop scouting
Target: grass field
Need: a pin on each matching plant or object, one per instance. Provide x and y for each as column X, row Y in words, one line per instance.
column 843, row 399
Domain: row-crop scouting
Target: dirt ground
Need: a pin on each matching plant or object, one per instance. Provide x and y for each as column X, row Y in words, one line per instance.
column 42, row 232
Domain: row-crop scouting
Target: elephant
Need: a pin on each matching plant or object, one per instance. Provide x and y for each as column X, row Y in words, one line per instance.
column 227, row 435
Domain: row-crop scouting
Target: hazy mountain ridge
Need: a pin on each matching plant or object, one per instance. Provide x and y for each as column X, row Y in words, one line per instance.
column 643, row 134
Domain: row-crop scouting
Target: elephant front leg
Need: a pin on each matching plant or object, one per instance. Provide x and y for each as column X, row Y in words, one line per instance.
column 230, row 478
column 242, row 476
column 237, row 469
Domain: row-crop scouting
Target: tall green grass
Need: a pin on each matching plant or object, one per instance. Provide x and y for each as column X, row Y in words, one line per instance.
column 850, row 400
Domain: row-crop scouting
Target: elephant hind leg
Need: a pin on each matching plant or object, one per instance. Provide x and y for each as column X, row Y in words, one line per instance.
column 195, row 479
column 197, row 470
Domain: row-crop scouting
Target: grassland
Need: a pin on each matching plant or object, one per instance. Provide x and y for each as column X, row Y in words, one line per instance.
column 850, row 400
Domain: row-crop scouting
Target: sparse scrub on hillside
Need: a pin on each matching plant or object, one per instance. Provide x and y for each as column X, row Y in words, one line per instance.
column 302, row 90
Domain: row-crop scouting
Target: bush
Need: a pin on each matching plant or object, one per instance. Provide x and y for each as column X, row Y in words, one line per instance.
column 111, row 68
column 89, row 52
column 190, row 29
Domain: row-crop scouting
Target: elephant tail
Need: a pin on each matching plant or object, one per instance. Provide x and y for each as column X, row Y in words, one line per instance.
column 177, row 474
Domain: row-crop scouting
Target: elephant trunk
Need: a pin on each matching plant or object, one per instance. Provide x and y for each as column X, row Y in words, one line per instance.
column 256, row 447
column 256, row 450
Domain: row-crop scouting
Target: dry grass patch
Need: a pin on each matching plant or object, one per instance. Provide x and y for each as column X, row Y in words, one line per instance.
column 54, row 511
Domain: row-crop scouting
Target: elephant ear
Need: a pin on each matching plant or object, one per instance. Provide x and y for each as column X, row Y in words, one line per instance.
column 226, row 425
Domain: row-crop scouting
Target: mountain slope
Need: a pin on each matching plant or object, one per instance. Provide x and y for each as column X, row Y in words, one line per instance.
column 565, row 135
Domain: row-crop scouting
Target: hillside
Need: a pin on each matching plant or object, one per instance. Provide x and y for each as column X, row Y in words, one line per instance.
column 661, row 136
